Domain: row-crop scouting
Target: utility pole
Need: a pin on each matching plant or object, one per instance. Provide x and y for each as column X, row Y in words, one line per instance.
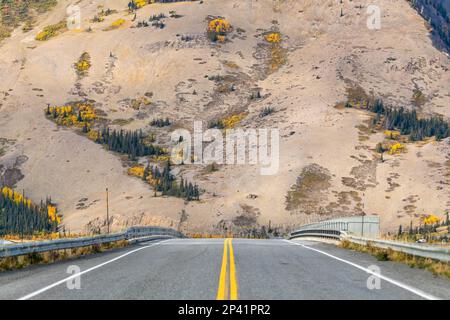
column 107, row 211
column 362, row 219
column 362, row 225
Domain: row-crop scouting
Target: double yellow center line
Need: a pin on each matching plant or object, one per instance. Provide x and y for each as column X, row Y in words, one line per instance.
column 227, row 285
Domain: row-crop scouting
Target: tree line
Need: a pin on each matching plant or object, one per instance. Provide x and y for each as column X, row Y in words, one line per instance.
column 131, row 143
column 164, row 181
column 24, row 218
column 437, row 15
column 426, row 230
column 408, row 122
column 160, row 122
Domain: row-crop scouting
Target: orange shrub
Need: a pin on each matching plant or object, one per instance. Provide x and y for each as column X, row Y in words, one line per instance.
column 137, row 171
column 117, row 23
column 15, row 196
column 396, row 148
column 218, row 28
column 430, row 219
column 273, row 37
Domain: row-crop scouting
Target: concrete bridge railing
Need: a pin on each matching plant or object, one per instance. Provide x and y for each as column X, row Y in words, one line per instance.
column 366, row 231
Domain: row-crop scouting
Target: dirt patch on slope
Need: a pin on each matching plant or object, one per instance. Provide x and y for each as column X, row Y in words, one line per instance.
column 309, row 191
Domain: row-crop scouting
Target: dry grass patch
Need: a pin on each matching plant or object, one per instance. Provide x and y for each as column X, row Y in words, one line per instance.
column 418, row 98
column 230, row 64
column 25, row 13
column 358, row 98
column 122, row 122
column 83, row 64
column 309, row 190
column 278, row 58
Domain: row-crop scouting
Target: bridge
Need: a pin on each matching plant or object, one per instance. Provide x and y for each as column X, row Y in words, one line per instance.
column 163, row 264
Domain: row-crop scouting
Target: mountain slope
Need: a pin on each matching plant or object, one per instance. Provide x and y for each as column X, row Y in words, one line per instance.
column 328, row 163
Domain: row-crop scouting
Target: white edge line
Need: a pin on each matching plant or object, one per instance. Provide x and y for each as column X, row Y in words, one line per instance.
column 392, row 281
column 35, row 293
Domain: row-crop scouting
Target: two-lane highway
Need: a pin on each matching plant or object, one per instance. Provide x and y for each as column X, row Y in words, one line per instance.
column 224, row 269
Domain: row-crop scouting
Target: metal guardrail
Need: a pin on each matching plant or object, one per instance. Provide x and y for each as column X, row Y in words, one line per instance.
column 419, row 250
column 133, row 234
column 323, row 230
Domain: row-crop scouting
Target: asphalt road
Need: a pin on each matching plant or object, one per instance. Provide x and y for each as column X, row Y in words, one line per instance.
column 224, row 269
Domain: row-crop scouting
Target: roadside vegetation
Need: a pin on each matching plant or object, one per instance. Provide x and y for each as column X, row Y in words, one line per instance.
column 19, row 262
column 438, row 268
